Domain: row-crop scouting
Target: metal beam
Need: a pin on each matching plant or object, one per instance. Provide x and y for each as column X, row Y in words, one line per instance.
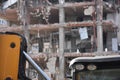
column 39, row 69
column 53, row 27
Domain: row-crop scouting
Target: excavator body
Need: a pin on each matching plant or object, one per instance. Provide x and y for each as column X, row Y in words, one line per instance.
column 13, row 57
column 9, row 56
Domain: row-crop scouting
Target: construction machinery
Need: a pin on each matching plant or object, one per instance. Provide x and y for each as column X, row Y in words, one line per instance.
column 13, row 57
column 96, row 68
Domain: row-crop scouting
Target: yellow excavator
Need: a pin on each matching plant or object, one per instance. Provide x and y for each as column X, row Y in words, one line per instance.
column 13, row 57
column 95, row 68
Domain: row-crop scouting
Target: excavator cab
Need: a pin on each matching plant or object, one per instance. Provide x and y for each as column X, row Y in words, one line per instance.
column 96, row 68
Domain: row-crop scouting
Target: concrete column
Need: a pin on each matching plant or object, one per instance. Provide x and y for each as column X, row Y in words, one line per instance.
column 118, row 25
column 61, row 39
column 99, row 11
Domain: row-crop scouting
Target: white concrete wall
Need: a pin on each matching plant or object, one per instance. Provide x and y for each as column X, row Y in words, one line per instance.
column 3, row 22
column 111, row 17
column 35, row 48
column 115, row 18
column 68, row 45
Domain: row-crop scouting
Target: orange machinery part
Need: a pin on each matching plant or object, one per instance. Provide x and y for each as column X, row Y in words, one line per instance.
column 9, row 56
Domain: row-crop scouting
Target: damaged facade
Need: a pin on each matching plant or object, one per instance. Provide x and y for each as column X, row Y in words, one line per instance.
column 87, row 27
